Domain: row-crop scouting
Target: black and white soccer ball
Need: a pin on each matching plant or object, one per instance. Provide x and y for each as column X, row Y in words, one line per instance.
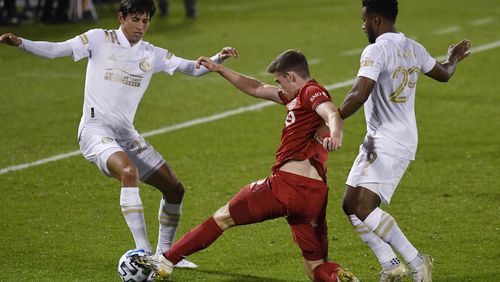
column 130, row 271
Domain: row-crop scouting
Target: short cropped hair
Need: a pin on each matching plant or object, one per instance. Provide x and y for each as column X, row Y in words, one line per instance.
column 290, row 60
column 388, row 9
column 134, row 7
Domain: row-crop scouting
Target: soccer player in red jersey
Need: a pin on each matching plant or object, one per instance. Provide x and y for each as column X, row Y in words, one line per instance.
column 297, row 187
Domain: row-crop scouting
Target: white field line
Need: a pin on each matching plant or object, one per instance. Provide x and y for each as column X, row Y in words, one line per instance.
column 480, row 22
column 222, row 115
column 447, row 30
column 352, row 52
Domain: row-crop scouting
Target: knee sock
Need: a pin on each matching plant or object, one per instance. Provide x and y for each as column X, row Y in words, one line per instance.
column 386, row 228
column 195, row 240
column 133, row 212
column 168, row 217
column 326, row 272
column 382, row 250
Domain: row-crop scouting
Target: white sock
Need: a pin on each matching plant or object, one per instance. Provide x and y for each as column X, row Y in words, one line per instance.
column 133, row 212
column 386, row 228
column 168, row 217
column 382, row 250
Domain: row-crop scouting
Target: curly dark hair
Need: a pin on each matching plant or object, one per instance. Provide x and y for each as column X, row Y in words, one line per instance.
column 388, row 9
column 137, row 7
column 290, row 60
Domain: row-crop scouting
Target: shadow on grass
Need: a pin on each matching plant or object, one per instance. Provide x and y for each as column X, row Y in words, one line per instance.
column 239, row 277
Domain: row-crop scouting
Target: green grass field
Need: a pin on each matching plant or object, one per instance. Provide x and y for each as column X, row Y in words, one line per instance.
column 61, row 221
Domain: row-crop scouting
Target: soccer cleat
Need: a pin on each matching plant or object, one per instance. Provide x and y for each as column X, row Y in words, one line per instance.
column 394, row 275
column 186, row 264
column 159, row 264
column 346, row 275
column 424, row 273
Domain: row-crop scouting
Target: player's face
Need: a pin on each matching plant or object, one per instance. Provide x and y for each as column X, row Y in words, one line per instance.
column 367, row 26
column 286, row 83
column 134, row 26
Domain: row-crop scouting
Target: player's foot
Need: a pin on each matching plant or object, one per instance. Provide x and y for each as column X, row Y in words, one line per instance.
column 424, row 273
column 186, row 264
column 394, row 275
column 346, row 275
column 159, row 264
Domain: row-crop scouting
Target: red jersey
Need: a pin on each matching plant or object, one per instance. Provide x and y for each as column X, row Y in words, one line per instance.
column 297, row 138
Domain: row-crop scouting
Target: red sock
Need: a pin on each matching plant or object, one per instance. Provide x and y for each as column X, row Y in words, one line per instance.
column 326, row 272
column 195, row 240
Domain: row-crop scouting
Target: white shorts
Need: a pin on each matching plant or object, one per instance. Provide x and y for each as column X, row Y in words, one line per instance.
column 97, row 144
column 377, row 171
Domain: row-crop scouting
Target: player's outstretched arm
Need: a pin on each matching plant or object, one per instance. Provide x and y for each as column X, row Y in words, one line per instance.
column 357, row 96
column 249, row 85
column 335, row 124
column 191, row 68
column 10, row 39
column 456, row 53
column 40, row 48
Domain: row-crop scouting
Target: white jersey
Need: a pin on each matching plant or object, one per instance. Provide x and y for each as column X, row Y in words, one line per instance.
column 117, row 76
column 395, row 63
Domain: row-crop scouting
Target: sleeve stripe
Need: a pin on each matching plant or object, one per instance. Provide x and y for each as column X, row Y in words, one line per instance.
column 84, row 38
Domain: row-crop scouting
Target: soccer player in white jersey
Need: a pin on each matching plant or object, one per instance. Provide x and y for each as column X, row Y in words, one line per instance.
column 385, row 85
column 120, row 66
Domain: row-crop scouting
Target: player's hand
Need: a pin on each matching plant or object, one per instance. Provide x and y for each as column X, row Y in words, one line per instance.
column 227, row 52
column 208, row 63
column 331, row 140
column 10, row 39
column 459, row 51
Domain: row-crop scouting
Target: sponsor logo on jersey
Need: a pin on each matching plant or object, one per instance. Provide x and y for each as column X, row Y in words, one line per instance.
column 169, row 55
column 112, row 57
column 106, row 140
column 145, row 66
column 123, row 77
column 316, row 95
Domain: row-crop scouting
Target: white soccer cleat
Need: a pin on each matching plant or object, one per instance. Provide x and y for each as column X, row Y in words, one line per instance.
column 159, row 264
column 424, row 273
column 186, row 264
column 394, row 275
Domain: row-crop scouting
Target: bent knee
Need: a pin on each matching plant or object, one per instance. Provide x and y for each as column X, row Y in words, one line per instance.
column 129, row 176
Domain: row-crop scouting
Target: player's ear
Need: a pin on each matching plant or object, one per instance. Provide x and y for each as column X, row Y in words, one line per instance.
column 377, row 20
column 121, row 18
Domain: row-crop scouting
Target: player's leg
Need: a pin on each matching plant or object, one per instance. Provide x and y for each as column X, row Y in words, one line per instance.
column 363, row 170
column 307, row 220
column 376, row 177
column 361, row 202
column 153, row 170
column 169, row 214
column 98, row 146
column 121, row 167
column 313, row 242
column 253, row 203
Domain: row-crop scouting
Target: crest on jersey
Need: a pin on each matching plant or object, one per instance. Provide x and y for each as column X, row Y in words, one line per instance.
column 145, row 66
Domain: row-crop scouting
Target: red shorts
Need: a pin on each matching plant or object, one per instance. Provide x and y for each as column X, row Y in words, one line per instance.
column 302, row 200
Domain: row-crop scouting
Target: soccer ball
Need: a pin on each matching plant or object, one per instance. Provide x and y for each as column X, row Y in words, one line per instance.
column 130, row 271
